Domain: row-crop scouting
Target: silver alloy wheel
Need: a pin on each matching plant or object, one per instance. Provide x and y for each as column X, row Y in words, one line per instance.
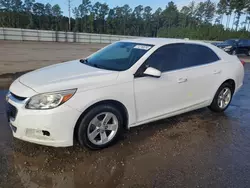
column 234, row 52
column 224, row 98
column 102, row 128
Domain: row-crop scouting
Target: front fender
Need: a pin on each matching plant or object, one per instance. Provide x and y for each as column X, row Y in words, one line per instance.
column 122, row 93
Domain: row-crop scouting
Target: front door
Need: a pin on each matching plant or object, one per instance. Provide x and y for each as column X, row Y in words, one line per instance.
column 158, row 96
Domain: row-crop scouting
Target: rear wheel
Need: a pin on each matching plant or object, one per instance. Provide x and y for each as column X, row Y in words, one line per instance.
column 100, row 127
column 222, row 98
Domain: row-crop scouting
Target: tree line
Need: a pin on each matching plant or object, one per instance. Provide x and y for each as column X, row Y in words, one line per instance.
column 204, row 20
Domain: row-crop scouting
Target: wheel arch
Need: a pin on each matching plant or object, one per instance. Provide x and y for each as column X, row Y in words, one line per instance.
column 232, row 82
column 229, row 80
column 120, row 106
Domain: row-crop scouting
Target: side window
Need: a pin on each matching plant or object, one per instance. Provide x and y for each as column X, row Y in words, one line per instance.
column 246, row 42
column 165, row 58
column 195, row 55
column 243, row 42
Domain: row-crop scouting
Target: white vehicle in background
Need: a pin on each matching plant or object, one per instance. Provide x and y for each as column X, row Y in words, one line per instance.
column 126, row 84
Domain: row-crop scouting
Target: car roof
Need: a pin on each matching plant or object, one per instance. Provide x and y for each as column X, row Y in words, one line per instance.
column 153, row 41
column 238, row 39
column 162, row 41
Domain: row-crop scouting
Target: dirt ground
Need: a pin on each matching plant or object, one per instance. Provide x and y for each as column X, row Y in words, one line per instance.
column 197, row 149
column 22, row 56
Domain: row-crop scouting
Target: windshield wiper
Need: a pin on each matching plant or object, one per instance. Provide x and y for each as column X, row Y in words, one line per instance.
column 97, row 66
column 84, row 60
column 101, row 67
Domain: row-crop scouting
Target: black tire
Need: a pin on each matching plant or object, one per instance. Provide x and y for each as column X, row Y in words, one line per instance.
column 214, row 105
column 85, row 121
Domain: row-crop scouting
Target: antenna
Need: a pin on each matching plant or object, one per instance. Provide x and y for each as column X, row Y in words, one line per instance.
column 69, row 4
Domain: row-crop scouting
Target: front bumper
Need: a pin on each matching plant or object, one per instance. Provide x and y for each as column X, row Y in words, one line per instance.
column 228, row 50
column 53, row 127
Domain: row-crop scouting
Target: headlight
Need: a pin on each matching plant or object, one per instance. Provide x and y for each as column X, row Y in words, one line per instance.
column 228, row 47
column 49, row 100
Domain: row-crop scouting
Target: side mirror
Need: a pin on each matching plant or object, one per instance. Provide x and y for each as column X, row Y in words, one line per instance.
column 152, row 72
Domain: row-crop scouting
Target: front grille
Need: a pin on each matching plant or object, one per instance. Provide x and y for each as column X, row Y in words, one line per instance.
column 11, row 111
column 18, row 97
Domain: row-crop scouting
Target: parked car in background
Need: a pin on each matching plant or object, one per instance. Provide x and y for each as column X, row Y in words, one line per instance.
column 126, row 84
column 235, row 46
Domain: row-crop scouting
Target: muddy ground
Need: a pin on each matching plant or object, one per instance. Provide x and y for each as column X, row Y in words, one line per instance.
column 197, row 149
column 22, row 56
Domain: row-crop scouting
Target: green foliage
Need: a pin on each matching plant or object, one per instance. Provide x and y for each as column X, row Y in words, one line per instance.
column 201, row 20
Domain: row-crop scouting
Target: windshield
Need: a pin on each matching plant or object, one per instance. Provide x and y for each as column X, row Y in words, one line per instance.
column 230, row 42
column 119, row 56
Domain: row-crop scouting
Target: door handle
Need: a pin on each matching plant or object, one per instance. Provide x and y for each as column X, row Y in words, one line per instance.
column 182, row 80
column 217, row 72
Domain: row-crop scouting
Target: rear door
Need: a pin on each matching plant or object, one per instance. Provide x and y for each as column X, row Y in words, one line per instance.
column 203, row 71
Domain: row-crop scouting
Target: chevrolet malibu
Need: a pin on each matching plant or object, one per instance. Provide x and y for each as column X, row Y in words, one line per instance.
column 126, row 84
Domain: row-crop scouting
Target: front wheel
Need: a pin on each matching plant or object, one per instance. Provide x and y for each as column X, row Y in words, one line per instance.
column 222, row 98
column 100, row 127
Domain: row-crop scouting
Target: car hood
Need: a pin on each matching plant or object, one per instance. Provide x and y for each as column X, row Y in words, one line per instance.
column 67, row 75
column 222, row 45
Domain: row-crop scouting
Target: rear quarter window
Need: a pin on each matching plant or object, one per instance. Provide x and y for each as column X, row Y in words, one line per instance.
column 195, row 55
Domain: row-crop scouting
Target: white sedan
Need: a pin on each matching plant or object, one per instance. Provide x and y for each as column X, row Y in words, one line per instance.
column 125, row 84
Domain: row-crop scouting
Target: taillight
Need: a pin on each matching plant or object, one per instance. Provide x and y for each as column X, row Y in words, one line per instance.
column 243, row 62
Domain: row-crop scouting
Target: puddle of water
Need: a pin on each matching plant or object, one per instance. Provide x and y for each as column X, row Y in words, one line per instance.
column 195, row 149
column 2, row 101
